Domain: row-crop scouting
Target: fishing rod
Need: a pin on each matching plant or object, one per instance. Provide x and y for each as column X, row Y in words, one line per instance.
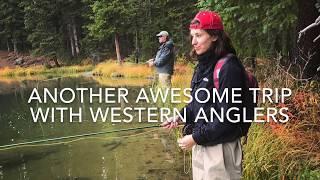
column 74, row 136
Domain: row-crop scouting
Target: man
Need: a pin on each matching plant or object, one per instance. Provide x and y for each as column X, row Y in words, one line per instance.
column 164, row 60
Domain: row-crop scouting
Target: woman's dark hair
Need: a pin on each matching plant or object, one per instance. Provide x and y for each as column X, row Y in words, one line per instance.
column 221, row 46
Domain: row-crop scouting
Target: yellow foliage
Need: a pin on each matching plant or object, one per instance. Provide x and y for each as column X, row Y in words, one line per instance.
column 128, row 70
column 117, row 82
column 39, row 70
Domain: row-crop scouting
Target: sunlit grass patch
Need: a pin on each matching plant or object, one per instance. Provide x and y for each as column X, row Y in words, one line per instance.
column 40, row 70
column 181, row 80
column 117, row 82
column 127, row 70
column 130, row 70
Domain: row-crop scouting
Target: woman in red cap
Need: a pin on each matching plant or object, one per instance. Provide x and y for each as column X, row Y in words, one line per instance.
column 215, row 144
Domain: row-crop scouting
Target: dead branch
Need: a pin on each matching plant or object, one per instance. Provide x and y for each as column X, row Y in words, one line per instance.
column 297, row 79
column 302, row 32
column 316, row 38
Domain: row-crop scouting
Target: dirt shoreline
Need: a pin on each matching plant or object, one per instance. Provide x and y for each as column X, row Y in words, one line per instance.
column 12, row 60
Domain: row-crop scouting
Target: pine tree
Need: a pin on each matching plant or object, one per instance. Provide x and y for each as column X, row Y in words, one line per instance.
column 12, row 29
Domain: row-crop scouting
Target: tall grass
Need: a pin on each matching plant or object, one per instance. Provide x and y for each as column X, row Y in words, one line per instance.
column 40, row 70
column 120, row 82
column 182, row 76
column 290, row 150
column 182, row 72
column 127, row 70
column 263, row 154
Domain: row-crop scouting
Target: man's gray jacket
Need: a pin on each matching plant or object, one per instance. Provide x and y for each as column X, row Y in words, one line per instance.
column 164, row 60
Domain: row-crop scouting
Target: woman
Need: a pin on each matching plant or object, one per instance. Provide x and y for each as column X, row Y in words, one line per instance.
column 216, row 148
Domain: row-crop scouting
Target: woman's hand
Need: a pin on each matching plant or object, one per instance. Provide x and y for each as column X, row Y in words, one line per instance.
column 187, row 142
column 171, row 123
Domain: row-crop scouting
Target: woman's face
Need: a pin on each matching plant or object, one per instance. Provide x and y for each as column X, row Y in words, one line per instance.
column 201, row 40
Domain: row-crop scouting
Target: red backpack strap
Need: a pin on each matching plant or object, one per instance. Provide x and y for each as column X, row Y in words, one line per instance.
column 217, row 69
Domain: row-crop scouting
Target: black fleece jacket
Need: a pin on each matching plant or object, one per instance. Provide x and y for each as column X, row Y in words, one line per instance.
column 232, row 75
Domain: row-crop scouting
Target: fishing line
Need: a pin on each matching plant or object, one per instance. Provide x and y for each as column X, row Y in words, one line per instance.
column 79, row 139
column 80, row 136
column 185, row 163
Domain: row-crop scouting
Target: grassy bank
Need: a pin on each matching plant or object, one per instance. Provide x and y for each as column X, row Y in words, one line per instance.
column 286, row 150
column 127, row 70
column 40, row 70
column 120, row 82
column 131, row 70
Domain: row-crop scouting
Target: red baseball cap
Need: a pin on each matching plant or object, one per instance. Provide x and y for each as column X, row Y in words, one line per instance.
column 207, row 20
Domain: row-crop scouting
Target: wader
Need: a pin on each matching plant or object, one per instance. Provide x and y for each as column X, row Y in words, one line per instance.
column 219, row 162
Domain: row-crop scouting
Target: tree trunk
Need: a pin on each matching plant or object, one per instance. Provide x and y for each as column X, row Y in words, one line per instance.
column 15, row 47
column 150, row 11
column 137, row 52
column 253, row 61
column 75, row 36
column 182, row 36
column 253, row 53
column 116, row 41
column 71, row 40
column 8, row 45
column 55, row 60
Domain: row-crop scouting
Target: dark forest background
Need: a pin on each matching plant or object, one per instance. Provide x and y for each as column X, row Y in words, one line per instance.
column 72, row 30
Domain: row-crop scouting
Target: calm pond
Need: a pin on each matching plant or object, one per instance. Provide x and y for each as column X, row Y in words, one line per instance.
column 137, row 154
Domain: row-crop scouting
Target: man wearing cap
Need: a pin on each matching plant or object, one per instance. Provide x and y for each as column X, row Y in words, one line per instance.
column 164, row 60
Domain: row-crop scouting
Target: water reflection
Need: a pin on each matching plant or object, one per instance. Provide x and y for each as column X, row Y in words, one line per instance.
column 140, row 154
column 1, row 173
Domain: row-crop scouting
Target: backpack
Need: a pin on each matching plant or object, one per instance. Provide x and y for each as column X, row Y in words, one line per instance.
column 251, row 82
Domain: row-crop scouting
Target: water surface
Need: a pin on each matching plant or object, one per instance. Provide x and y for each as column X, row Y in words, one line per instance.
column 139, row 154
